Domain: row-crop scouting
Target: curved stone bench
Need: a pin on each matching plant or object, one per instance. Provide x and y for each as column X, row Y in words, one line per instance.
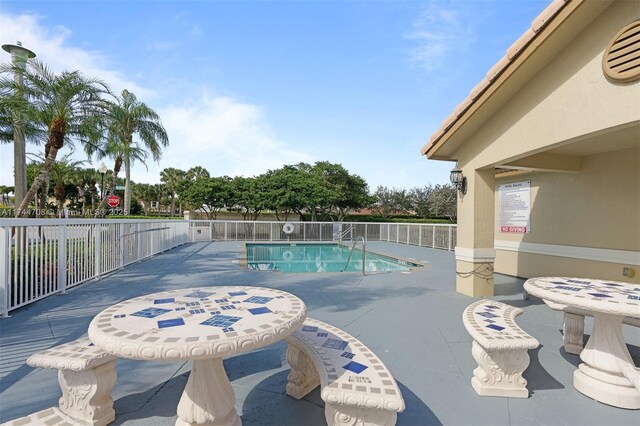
column 356, row 386
column 573, row 326
column 86, row 374
column 500, row 349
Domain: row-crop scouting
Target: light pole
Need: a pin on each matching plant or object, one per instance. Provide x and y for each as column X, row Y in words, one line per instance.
column 102, row 169
column 19, row 56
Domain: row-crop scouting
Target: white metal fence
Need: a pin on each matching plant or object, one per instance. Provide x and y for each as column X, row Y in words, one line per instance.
column 419, row 234
column 40, row 257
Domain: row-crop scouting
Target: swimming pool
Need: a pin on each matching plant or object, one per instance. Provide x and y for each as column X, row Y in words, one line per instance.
column 319, row 258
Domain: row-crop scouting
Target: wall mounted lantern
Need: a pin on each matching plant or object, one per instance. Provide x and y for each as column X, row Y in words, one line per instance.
column 458, row 180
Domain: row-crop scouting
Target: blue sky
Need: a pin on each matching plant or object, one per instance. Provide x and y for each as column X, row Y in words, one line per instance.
column 247, row 86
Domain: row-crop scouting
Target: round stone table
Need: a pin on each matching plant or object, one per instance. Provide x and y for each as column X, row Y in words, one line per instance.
column 203, row 325
column 607, row 373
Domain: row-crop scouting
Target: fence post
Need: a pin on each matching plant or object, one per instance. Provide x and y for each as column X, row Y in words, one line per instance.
column 420, row 235
column 236, row 231
column 5, row 258
column 433, row 234
column 449, row 237
column 210, row 231
column 138, row 243
column 97, row 232
column 62, row 258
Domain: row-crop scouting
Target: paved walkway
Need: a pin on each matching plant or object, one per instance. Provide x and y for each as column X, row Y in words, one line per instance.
column 412, row 321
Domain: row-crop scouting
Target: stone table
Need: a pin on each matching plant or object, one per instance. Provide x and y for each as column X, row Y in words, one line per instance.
column 203, row 325
column 607, row 373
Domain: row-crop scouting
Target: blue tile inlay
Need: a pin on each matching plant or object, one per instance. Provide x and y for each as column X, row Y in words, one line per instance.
column 198, row 294
column 170, row 323
column 237, row 293
column 567, row 287
column 633, row 297
column 181, row 309
column 227, row 307
column 322, row 334
column 258, row 311
column 228, row 329
column 335, row 344
column 192, row 304
column 197, row 311
column 120, row 316
column 613, row 284
column 356, row 367
column 599, row 295
column 259, row 299
column 348, row 355
column 214, row 312
column 309, row 328
column 167, row 300
column 487, row 314
column 490, row 321
column 495, row 327
column 150, row 312
column 221, row 300
column 579, row 282
column 491, row 307
column 223, row 321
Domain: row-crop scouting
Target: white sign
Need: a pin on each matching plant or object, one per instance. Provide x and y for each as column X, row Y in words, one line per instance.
column 515, row 207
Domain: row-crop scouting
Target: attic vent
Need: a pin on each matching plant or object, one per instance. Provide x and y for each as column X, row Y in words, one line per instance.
column 621, row 61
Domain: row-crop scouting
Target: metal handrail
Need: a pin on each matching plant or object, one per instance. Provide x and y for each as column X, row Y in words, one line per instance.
column 364, row 253
column 345, row 232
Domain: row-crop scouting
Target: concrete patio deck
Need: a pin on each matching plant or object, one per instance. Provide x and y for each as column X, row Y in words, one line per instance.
column 412, row 321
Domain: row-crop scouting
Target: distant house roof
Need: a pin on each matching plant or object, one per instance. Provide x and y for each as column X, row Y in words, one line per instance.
column 524, row 43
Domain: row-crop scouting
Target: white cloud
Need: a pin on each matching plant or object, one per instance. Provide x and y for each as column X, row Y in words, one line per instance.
column 223, row 135
column 438, row 31
column 53, row 46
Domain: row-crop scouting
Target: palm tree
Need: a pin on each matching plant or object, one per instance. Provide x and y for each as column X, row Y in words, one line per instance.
column 127, row 117
column 113, row 147
column 62, row 173
column 64, row 106
column 172, row 178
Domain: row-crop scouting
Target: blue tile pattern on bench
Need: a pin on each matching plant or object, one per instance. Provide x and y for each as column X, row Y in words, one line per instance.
column 150, row 312
column 227, row 307
column 223, row 321
column 167, row 300
column 170, row 323
column 258, row 311
column 322, row 334
column 567, row 287
column 334, row 344
column 221, row 300
column 355, row 367
column 495, row 327
column 259, row 299
column 599, row 295
column 309, row 328
column 192, row 304
column 237, row 293
column 348, row 355
column 198, row 294
column 487, row 314
column 197, row 311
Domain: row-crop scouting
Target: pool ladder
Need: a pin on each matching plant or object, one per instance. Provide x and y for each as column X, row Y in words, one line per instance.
column 364, row 253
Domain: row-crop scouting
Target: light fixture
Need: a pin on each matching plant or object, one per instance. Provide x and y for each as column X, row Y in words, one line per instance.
column 102, row 169
column 458, row 180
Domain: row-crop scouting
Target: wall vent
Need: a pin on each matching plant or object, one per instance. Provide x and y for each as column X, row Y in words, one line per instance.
column 621, row 61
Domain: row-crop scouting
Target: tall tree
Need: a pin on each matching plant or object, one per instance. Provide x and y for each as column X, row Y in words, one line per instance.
column 61, row 174
column 172, row 178
column 64, row 106
column 129, row 116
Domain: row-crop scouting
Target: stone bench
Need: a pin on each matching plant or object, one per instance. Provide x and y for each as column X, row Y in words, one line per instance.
column 355, row 385
column 573, row 326
column 500, row 348
column 86, row 375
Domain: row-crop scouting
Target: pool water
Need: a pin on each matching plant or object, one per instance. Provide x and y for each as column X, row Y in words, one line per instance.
column 319, row 258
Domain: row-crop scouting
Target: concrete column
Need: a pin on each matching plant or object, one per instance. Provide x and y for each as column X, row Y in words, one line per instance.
column 475, row 253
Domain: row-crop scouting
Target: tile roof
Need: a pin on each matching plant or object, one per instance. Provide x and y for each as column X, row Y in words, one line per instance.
column 512, row 52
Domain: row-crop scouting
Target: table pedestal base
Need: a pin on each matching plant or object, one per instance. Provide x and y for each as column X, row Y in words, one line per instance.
column 619, row 394
column 607, row 367
column 208, row 399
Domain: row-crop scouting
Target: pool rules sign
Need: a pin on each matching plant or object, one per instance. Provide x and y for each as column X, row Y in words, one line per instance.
column 515, row 207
